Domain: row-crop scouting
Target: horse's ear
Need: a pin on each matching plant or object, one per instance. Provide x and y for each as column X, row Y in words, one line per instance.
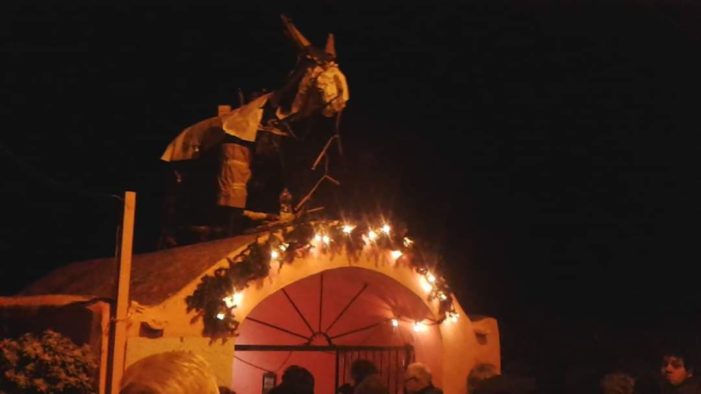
column 330, row 48
column 295, row 35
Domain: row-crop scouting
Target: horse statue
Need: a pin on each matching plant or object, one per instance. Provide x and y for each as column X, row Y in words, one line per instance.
column 234, row 140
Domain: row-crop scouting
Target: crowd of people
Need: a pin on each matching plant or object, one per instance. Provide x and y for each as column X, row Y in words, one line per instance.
column 676, row 376
column 180, row 372
column 366, row 379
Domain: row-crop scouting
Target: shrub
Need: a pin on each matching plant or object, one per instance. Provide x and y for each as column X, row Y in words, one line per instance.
column 51, row 363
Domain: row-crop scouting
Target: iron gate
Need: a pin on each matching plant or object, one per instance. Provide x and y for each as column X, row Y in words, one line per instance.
column 390, row 360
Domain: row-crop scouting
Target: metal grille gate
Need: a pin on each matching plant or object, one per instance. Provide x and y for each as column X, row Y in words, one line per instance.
column 390, row 360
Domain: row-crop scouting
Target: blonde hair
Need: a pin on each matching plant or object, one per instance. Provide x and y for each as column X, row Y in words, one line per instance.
column 419, row 371
column 617, row 383
column 176, row 372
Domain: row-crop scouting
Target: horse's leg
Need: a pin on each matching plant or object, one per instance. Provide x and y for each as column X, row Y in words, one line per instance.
column 169, row 210
column 234, row 173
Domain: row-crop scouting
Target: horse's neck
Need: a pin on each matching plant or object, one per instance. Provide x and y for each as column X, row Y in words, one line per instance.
column 284, row 96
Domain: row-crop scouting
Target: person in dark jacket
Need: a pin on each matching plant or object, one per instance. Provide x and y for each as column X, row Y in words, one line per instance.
column 367, row 378
column 295, row 380
column 346, row 388
column 417, row 380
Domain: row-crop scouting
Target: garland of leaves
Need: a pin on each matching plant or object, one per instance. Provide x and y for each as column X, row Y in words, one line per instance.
column 212, row 300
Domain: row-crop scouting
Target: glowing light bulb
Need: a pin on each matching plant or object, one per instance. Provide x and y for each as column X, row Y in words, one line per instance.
column 407, row 242
column 234, row 300
column 274, row 254
column 442, row 296
column 430, row 278
column 386, row 229
column 426, row 286
column 395, row 323
column 238, row 298
column 453, row 317
column 283, row 246
column 220, row 316
column 419, row 327
column 317, row 238
column 372, row 235
column 347, row 228
column 326, row 239
column 396, row 254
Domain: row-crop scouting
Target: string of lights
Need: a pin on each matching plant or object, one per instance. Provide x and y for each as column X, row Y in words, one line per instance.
column 218, row 295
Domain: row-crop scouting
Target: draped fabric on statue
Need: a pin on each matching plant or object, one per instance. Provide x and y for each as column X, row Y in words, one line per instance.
column 241, row 123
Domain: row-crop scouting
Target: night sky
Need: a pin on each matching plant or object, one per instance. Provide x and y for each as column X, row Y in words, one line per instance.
column 549, row 151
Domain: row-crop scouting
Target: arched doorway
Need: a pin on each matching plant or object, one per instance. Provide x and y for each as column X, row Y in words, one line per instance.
column 325, row 321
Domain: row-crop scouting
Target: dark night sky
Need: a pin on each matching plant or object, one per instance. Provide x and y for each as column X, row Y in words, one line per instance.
column 549, row 150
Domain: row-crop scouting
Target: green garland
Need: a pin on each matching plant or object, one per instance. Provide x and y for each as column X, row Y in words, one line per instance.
column 295, row 241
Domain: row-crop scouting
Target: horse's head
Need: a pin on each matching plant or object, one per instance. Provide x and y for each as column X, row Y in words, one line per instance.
column 316, row 84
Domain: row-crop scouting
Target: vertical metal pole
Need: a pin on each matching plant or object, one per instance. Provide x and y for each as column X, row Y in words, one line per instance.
column 321, row 300
column 119, row 339
column 397, row 380
column 337, row 384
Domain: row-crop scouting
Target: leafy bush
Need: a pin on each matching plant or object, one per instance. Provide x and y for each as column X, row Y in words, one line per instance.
column 51, row 363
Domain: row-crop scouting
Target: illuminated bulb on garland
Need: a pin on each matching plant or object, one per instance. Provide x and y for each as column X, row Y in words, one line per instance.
column 274, row 254
column 395, row 323
column 220, row 316
column 234, row 300
column 407, row 242
column 396, row 254
column 453, row 317
column 317, row 238
column 347, row 229
column 238, row 298
column 430, row 278
column 283, row 246
column 442, row 296
column 419, row 327
column 386, row 229
column 372, row 235
column 325, row 239
column 426, row 286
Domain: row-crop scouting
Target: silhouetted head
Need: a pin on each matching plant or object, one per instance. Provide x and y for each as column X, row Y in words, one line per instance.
column 299, row 379
column 617, row 383
column 360, row 369
column 480, row 373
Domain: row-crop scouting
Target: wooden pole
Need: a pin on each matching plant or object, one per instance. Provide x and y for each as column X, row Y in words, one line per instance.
column 119, row 341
